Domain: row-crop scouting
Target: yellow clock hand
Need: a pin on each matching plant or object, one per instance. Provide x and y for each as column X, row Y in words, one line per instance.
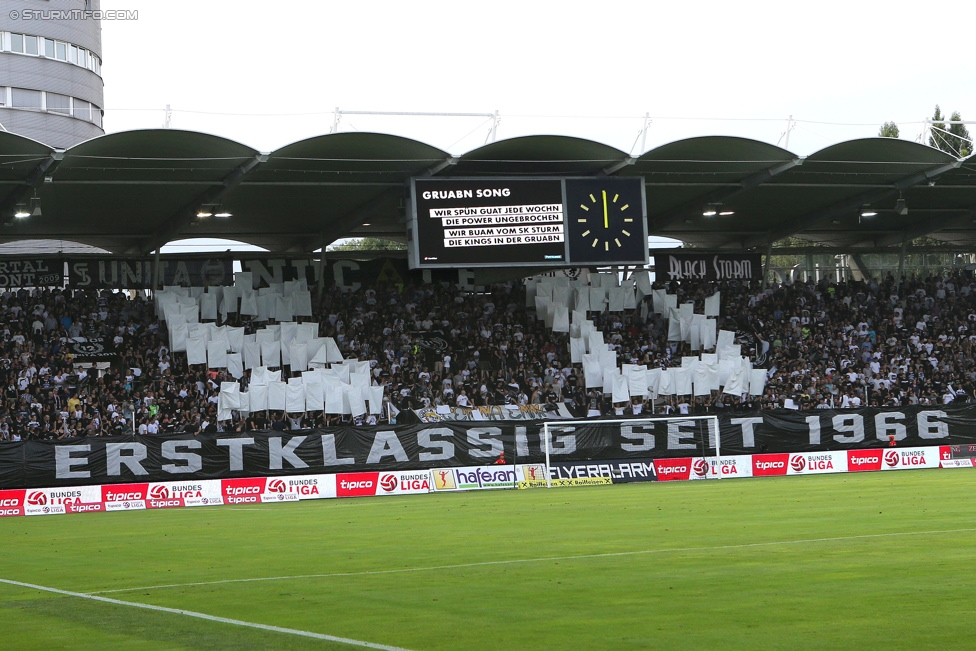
column 606, row 218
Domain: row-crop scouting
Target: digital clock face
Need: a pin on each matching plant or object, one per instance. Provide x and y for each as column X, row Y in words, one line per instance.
column 605, row 221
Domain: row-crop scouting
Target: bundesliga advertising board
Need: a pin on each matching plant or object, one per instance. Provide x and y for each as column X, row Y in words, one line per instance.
column 294, row 488
column 538, row 222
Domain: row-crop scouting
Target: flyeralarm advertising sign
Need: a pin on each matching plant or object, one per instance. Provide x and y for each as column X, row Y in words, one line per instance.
column 619, row 471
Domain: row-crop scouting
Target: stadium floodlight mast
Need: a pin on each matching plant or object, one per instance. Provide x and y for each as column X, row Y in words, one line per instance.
column 712, row 427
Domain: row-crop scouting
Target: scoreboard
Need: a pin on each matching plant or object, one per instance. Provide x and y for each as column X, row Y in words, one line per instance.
column 557, row 222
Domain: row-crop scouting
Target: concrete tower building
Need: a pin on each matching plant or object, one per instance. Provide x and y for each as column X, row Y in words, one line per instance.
column 51, row 70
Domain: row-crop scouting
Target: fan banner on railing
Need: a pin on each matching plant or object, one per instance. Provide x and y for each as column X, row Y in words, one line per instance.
column 346, row 273
column 31, row 272
column 709, row 267
column 109, row 272
column 92, row 349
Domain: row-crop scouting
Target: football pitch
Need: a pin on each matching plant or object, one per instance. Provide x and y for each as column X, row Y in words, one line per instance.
column 869, row 561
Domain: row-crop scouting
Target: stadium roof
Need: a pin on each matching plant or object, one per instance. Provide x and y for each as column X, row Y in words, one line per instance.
column 132, row 191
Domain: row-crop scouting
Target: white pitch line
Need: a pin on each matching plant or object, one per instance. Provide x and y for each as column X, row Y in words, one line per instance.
column 211, row 618
column 547, row 559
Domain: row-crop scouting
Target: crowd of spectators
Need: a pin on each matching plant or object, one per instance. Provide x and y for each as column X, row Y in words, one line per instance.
column 825, row 345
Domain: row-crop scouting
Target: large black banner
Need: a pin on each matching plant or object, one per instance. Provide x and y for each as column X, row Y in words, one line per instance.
column 784, row 430
column 104, row 460
column 109, row 272
column 347, row 274
column 31, row 272
column 708, row 266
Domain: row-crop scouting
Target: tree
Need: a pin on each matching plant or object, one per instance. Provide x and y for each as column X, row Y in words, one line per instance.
column 952, row 138
column 368, row 244
column 960, row 135
column 937, row 138
column 888, row 130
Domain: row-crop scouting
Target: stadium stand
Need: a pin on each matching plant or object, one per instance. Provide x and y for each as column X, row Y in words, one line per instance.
column 826, row 344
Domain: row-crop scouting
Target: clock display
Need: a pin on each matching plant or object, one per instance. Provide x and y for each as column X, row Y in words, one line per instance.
column 605, row 221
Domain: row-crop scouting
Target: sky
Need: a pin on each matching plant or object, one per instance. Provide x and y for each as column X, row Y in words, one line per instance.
column 268, row 74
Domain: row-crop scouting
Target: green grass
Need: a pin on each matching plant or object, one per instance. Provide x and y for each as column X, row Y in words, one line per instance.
column 709, row 578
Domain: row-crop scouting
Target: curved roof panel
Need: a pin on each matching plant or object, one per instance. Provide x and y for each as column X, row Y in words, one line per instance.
column 869, row 160
column 331, row 184
column 19, row 155
column 538, row 156
column 717, row 149
column 881, row 150
column 348, row 158
column 153, row 155
column 702, row 170
column 360, row 146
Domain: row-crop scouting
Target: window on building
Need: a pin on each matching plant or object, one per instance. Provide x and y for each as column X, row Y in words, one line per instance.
column 49, row 48
column 72, row 54
column 59, row 103
column 82, row 110
column 16, row 42
column 62, row 51
column 30, row 45
column 24, row 98
column 3, row 96
column 97, row 115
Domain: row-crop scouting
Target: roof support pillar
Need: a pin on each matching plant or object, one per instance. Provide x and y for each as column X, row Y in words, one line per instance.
column 321, row 288
column 859, row 268
column 156, row 270
column 901, row 265
column 769, row 255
